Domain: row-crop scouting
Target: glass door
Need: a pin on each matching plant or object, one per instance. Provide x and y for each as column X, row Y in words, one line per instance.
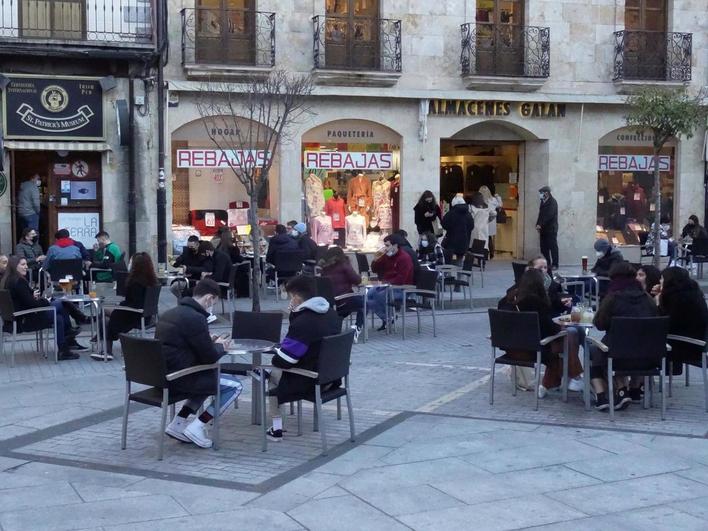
column 225, row 32
column 53, row 19
column 645, row 22
column 352, row 34
column 499, row 43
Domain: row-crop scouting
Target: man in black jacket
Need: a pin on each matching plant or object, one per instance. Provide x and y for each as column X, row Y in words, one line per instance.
column 196, row 261
column 547, row 226
column 311, row 319
column 184, row 334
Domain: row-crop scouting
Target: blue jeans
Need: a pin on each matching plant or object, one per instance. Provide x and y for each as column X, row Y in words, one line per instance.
column 31, row 221
column 376, row 300
column 231, row 388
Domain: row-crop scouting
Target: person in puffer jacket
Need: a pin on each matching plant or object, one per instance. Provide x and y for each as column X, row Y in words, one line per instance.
column 311, row 319
column 64, row 248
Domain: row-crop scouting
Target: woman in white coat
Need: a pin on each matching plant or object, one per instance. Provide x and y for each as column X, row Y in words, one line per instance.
column 493, row 202
column 481, row 213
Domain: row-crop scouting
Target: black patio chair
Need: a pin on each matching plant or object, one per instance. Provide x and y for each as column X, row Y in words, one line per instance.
column 673, row 339
column 9, row 315
column 362, row 262
column 424, row 295
column 325, row 289
column 331, row 382
column 73, row 267
column 145, row 364
column 479, row 255
column 519, row 331
column 637, row 347
column 228, row 289
column 148, row 313
column 287, row 264
column 253, row 325
column 519, row 268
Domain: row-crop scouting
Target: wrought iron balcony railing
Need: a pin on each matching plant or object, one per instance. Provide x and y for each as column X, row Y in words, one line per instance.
column 95, row 22
column 236, row 37
column 505, row 50
column 357, row 43
column 652, row 55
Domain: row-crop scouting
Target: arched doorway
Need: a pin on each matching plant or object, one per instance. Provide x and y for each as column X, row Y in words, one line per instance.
column 206, row 194
column 626, row 207
column 491, row 154
column 352, row 179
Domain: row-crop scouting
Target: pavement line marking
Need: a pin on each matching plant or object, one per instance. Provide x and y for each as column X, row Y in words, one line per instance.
column 442, row 366
column 453, row 395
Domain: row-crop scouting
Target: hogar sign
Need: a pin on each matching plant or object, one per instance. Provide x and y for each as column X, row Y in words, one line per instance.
column 348, row 160
column 218, row 158
column 632, row 163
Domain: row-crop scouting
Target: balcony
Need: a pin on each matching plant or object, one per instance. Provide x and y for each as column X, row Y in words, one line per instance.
column 232, row 43
column 505, row 56
column 356, row 51
column 659, row 58
column 66, row 27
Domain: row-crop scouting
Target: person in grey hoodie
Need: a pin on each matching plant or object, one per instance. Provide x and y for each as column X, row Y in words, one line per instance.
column 28, row 202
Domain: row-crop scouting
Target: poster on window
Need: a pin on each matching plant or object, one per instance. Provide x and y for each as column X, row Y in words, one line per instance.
column 348, row 160
column 82, row 226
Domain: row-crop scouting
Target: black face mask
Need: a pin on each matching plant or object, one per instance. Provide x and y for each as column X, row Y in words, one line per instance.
column 35, row 239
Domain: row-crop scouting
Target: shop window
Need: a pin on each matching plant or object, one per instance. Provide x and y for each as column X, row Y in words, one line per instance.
column 55, row 19
column 352, row 34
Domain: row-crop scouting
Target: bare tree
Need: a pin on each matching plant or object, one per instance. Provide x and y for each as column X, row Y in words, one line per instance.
column 247, row 122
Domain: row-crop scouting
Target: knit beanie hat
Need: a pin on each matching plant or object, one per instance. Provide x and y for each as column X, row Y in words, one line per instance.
column 602, row 246
column 457, row 200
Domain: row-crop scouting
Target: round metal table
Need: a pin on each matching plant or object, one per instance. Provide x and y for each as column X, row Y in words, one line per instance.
column 96, row 302
column 561, row 321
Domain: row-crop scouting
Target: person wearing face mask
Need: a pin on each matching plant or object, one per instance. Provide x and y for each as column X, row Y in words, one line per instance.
column 311, row 319
column 28, row 205
column 186, row 342
column 430, row 250
column 196, row 261
column 393, row 266
column 28, row 248
column 306, row 244
column 426, row 212
column 607, row 256
column 547, row 226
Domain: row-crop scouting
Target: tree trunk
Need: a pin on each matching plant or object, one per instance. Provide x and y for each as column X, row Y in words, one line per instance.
column 256, row 243
column 657, row 207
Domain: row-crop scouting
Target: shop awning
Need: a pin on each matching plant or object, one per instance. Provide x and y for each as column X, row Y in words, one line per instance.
column 29, row 145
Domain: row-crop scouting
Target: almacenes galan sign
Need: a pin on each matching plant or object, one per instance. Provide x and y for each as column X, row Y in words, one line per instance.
column 53, row 108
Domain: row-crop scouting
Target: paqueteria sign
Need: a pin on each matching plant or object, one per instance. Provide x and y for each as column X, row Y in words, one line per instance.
column 643, row 163
column 348, row 160
column 218, row 158
column 53, row 108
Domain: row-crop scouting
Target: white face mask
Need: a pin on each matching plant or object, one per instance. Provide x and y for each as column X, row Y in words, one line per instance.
column 390, row 252
column 541, row 196
column 599, row 253
column 294, row 233
column 424, row 243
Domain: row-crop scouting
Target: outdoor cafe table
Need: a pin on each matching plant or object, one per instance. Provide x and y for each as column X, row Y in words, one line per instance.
column 564, row 321
column 254, row 347
column 581, row 277
column 94, row 302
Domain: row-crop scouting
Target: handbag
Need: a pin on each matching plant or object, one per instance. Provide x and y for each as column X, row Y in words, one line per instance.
column 437, row 228
column 501, row 215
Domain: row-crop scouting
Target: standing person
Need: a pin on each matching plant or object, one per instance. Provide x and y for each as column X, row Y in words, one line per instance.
column 29, row 248
column 547, row 226
column 311, row 319
column 186, row 342
column 494, row 202
column 426, row 211
column 430, row 250
column 105, row 252
column 28, row 204
column 15, row 281
column 482, row 215
column 458, row 224
column 140, row 277
column 337, row 267
column 393, row 266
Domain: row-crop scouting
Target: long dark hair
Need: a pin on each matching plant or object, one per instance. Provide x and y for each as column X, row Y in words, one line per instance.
column 142, row 271
column 423, row 203
column 227, row 240
column 679, row 292
column 432, row 241
column 653, row 275
column 531, row 286
column 332, row 256
column 11, row 274
column 477, row 200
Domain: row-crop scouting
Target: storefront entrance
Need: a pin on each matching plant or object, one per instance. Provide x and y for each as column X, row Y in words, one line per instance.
column 466, row 166
column 70, row 193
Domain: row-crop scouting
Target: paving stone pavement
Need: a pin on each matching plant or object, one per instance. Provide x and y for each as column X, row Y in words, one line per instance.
column 431, row 453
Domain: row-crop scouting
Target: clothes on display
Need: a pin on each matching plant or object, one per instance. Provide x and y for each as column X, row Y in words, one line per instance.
column 355, row 230
column 335, row 209
column 322, row 230
column 395, row 193
column 314, row 194
column 380, row 192
column 384, row 216
column 359, row 194
column 374, row 240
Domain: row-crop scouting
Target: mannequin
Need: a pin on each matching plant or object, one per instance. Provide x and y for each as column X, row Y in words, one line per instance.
column 335, row 209
column 380, row 192
column 322, row 231
column 395, row 201
column 356, row 230
column 359, row 194
column 374, row 239
column 314, row 195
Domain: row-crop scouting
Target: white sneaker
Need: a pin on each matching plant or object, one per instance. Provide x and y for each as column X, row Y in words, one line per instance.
column 197, row 433
column 357, row 332
column 175, row 429
column 542, row 391
column 576, row 384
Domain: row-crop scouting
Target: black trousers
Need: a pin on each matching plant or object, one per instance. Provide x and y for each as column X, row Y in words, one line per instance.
column 549, row 249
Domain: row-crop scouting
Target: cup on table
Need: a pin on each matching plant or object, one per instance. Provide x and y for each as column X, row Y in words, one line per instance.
column 576, row 314
column 584, row 261
column 65, row 284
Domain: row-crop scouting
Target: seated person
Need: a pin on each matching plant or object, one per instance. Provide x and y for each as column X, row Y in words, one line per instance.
column 311, row 319
column 607, row 256
column 184, row 334
column 393, row 266
column 306, row 244
column 560, row 303
column 29, row 248
column 430, row 250
column 23, row 298
column 64, row 248
column 531, row 296
column 681, row 299
column 140, row 277
column 105, row 253
column 337, row 267
column 279, row 242
column 227, row 246
column 649, row 277
column 625, row 298
column 195, row 262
